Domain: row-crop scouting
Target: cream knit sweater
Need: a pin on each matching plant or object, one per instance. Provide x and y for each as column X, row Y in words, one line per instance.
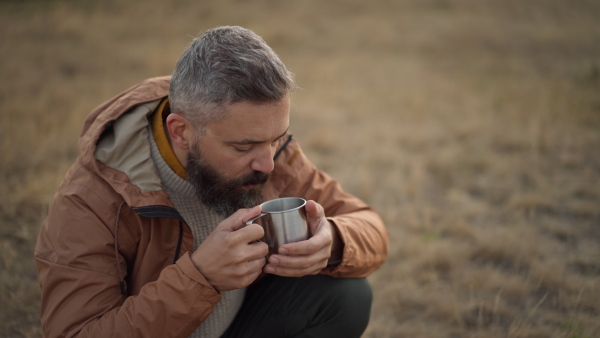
column 202, row 221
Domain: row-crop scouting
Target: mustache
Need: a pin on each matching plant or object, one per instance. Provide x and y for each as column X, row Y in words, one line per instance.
column 255, row 178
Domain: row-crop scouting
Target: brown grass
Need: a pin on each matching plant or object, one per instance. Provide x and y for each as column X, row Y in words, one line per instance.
column 473, row 127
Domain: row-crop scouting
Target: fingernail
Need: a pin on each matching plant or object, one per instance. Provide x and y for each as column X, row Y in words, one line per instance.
column 273, row 260
column 283, row 251
column 269, row 269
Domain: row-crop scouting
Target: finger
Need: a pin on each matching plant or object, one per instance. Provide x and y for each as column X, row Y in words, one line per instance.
column 315, row 214
column 287, row 271
column 239, row 218
column 307, row 247
column 299, row 261
column 317, row 242
column 246, row 273
column 250, row 233
column 256, row 265
column 253, row 277
column 313, row 209
column 258, row 250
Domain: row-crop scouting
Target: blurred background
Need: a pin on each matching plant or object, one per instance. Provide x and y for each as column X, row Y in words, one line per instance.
column 473, row 127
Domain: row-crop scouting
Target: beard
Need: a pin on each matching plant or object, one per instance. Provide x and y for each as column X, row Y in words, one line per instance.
column 224, row 196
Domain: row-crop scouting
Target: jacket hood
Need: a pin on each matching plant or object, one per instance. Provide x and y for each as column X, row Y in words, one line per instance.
column 114, row 143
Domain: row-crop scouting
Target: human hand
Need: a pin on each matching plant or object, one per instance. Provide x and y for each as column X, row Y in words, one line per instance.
column 231, row 257
column 307, row 257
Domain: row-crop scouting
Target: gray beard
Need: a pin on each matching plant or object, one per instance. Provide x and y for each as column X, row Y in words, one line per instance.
column 222, row 195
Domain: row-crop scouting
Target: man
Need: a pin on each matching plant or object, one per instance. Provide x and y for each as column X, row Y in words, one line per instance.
column 146, row 235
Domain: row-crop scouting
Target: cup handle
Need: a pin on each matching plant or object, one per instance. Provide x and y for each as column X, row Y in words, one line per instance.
column 250, row 221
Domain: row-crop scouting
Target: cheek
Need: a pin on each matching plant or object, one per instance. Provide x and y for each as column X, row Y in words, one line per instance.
column 228, row 163
column 234, row 167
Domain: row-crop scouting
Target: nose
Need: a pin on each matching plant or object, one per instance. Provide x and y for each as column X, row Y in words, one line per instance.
column 264, row 161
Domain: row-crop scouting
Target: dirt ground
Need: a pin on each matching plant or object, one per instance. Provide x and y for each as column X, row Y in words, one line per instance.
column 473, row 127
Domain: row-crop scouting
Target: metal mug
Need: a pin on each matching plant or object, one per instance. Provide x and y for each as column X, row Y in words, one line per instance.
column 284, row 221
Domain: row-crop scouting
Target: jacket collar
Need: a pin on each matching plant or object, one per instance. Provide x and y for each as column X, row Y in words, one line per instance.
column 114, row 143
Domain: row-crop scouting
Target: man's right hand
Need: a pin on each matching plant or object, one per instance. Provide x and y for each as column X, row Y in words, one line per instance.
column 231, row 257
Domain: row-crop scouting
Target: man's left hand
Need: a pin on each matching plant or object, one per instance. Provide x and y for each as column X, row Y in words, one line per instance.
column 307, row 257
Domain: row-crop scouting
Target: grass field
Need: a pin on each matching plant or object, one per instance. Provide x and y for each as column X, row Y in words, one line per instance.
column 473, row 127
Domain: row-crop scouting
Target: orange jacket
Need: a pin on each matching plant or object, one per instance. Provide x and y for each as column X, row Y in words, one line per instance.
column 114, row 255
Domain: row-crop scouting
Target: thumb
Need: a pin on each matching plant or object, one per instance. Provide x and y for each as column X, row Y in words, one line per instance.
column 314, row 214
column 239, row 218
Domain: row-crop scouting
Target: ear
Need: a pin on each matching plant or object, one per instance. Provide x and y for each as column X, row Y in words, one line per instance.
column 180, row 131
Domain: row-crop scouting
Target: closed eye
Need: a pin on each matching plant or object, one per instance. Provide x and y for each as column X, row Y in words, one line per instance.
column 243, row 149
column 245, row 146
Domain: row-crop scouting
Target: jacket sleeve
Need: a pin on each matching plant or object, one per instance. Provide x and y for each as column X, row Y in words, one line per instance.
column 75, row 252
column 361, row 230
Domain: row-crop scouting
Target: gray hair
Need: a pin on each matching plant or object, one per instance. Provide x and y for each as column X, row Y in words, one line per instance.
column 226, row 65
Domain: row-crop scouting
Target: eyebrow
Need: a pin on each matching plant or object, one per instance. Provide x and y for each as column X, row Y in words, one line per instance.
column 250, row 141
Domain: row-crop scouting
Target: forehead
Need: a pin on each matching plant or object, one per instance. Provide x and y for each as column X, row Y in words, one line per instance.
column 250, row 119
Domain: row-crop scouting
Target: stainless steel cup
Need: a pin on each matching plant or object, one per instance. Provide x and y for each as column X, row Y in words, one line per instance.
column 284, row 221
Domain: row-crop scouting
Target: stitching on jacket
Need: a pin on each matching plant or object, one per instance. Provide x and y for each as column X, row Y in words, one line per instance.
column 121, row 278
column 179, row 240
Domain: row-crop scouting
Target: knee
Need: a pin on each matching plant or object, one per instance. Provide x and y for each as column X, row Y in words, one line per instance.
column 353, row 292
column 350, row 303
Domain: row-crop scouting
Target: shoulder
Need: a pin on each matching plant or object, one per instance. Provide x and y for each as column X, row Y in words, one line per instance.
column 82, row 217
column 84, row 186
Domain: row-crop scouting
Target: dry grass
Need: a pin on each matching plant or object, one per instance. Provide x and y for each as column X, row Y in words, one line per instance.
column 472, row 126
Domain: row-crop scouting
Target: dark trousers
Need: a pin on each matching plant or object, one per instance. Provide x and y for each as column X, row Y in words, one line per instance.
column 310, row 306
